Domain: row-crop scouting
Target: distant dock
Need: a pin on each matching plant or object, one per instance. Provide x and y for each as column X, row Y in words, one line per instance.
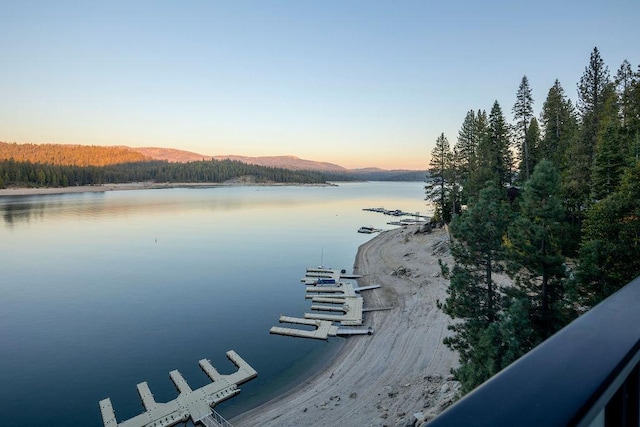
column 196, row 405
column 395, row 212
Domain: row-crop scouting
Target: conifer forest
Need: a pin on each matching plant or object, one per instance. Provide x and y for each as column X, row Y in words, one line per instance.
column 550, row 201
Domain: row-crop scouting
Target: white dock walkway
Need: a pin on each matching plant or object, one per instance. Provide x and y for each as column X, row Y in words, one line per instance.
column 323, row 329
column 352, row 308
column 333, row 303
column 327, row 273
column 341, row 290
column 195, row 404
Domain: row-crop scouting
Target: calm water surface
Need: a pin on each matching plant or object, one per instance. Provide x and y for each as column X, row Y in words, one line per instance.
column 101, row 291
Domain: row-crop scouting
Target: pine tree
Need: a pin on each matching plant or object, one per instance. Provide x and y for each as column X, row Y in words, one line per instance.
column 494, row 156
column 467, row 145
column 482, row 125
column 610, row 254
column 632, row 121
column 522, row 114
column 537, row 263
column 436, row 190
column 474, row 299
column 533, row 142
column 455, row 178
column 591, row 99
column 577, row 176
column 590, row 95
column 611, row 149
column 624, row 85
column 628, row 91
column 559, row 126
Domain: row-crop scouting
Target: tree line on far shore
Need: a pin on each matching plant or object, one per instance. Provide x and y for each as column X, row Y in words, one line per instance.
column 552, row 202
column 29, row 174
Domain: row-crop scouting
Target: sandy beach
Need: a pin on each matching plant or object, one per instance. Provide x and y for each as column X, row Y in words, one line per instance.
column 400, row 376
column 38, row 191
column 24, row 191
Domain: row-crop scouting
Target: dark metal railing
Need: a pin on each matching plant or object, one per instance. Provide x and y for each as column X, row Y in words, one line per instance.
column 587, row 374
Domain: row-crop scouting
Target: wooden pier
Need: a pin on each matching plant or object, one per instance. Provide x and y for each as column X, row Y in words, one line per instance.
column 196, row 405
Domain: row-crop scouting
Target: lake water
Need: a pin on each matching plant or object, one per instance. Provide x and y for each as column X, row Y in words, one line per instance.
column 101, row 291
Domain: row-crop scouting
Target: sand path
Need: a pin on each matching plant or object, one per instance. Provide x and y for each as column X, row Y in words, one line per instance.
column 383, row 379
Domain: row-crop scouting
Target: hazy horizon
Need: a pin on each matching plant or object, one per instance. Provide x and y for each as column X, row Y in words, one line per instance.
column 359, row 84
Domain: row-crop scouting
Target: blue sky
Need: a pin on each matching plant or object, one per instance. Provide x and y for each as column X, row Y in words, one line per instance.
column 358, row 83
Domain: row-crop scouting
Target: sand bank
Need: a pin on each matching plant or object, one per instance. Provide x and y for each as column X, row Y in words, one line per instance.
column 133, row 186
column 404, row 368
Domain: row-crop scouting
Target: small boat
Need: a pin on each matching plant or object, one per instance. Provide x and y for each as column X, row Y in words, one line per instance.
column 318, row 281
column 368, row 230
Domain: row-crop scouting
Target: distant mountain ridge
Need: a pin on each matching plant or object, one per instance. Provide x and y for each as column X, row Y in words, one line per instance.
column 286, row 162
column 91, row 155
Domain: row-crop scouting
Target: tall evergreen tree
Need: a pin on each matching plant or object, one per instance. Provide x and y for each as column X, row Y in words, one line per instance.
column 467, row 145
column 624, row 84
column 436, row 190
column 590, row 95
column 482, row 125
column 474, row 299
column 522, row 114
column 494, row 156
column 533, row 142
column 537, row 264
column 632, row 120
column 559, row 127
column 591, row 99
column 577, row 176
column 610, row 254
column 611, row 149
column 628, row 91
column 454, row 178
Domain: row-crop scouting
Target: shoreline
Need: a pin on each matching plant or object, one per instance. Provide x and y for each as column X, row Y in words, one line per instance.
column 399, row 374
column 101, row 188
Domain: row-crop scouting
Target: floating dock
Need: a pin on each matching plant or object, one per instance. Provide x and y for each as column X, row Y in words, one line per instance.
column 312, row 274
column 332, row 302
column 395, row 212
column 343, row 289
column 196, row 405
column 351, row 308
column 323, row 329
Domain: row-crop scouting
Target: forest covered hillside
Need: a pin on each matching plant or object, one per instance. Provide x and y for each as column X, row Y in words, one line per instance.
column 59, row 165
column 68, row 155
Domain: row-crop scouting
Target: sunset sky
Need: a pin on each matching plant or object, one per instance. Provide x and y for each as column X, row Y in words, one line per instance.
column 357, row 83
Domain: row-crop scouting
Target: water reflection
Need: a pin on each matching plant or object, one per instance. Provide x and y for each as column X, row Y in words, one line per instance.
column 17, row 210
